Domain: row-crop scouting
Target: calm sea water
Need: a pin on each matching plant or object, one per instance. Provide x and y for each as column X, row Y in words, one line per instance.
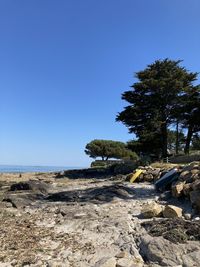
column 19, row 169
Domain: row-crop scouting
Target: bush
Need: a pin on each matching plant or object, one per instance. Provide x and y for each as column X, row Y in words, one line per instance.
column 99, row 163
column 124, row 167
column 145, row 160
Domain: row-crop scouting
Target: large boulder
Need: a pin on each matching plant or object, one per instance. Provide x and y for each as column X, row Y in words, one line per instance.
column 171, row 211
column 151, row 210
column 161, row 251
column 158, row 250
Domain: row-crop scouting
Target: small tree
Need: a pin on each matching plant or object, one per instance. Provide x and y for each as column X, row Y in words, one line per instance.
column 109, row 149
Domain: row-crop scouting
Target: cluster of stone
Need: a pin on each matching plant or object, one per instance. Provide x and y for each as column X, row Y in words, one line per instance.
column 188, row 184
column 149, row 174
column 156, row 210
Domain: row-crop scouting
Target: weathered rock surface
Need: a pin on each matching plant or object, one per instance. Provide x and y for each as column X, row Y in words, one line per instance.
column 151, row 210
column 165, row 253
column 171, row 211
column 161, row 251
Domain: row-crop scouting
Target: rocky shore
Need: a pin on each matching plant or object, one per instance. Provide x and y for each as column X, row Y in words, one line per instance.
column 55, row 220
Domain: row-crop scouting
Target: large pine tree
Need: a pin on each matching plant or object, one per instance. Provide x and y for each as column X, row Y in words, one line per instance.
column 189, row 113
column 152, row 101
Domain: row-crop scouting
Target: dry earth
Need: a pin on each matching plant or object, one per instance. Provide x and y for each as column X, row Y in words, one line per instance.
column 83, row 223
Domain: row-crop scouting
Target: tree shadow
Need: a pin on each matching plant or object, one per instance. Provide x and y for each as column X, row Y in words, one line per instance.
column 100, row 195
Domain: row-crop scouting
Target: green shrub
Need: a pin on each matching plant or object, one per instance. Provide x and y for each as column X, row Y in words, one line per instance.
column 124, row 167
column 99, row 163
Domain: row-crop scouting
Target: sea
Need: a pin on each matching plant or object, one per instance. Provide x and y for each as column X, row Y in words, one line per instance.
column 21, row 168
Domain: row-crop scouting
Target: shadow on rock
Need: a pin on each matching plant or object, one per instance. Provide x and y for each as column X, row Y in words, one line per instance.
column 101, row 194
column 23, row 194
column 33, row 185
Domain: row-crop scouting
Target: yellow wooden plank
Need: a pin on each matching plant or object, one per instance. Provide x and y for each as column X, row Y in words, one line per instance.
column 136, row 175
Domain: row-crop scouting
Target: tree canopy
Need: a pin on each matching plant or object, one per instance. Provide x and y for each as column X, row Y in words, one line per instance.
column 157, row 100
column 196, row 142
column 109, row 149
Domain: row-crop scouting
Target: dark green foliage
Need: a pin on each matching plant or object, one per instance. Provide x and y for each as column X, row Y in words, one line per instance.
column 104, row 163
column 109, row 149
column 190, row 113
column 196, row 142
column 154, row 104
column 125, row 167
column 99, row 163
column 172, row 139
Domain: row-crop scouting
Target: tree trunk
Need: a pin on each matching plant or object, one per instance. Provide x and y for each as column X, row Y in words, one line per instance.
column 188, row 140
column 102, row 158
column 164, row 139
column 177, row 138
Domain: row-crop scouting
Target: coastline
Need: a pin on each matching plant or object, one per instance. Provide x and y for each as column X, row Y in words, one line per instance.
column 33, row 168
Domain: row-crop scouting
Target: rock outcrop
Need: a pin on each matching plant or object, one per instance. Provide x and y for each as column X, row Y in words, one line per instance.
column 149, row 174
column 188, row 184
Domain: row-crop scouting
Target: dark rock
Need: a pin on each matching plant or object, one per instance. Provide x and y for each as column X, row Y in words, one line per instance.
column 58, row 175
column 33, row 185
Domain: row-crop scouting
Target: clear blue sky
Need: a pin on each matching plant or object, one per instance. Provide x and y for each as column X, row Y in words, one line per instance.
column 65, row 63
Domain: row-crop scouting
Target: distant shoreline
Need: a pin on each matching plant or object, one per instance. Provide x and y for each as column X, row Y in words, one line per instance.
column 33, row 169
